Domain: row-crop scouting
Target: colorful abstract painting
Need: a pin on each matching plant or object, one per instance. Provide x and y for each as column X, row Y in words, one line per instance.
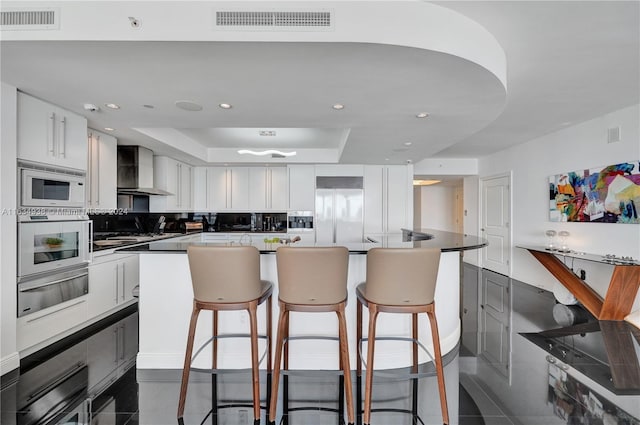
column 604, row 195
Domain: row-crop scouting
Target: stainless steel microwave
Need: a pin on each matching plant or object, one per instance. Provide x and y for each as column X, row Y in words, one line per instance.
column 51, row 188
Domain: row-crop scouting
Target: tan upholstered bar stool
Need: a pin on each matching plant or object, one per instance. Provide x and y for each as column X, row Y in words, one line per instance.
column 227, row 278
column 312, row 280
column 400, row 280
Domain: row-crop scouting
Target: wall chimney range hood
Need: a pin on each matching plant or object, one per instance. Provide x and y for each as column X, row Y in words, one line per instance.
column 135, row 172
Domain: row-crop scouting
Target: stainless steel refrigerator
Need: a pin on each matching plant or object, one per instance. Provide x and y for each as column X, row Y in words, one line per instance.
column 339, row 210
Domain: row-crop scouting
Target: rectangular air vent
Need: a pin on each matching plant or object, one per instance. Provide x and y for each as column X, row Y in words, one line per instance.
column 274, row 21
column 31, row 19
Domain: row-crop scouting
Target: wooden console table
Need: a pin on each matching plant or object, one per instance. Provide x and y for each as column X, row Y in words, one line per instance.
column 622, row 291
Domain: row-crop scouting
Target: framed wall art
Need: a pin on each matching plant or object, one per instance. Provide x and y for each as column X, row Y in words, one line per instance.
column 608, row 194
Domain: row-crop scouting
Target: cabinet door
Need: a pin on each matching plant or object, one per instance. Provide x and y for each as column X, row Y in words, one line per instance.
column 397, row 198
column 71, row 140
column 103, row 287
column 258, row 182
column 36, row 130
column 217, row 186
column 279, row 188
column 50, row 135
column 239, row 189
column 200, row 188
column 185, row 193
column 302, row 187
column 373, row 199
column 102, row 171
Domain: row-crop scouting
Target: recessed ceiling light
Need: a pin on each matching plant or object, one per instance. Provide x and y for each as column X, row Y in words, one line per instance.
column 267, row 132
column 338, row 106
column 188, row 105
column 425, row 182
column 386, row 159
column 422, row 115
column 109, row 129
column 148, row 106
column 112, row 106
column 407, row 143
column 265, row 152
column 225, row 106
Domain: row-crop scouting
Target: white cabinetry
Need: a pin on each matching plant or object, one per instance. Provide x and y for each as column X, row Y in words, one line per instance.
column 111, row 282
column 268, row 188
column 222, row 188
column 51, row 135
column 388, row 199
column 102, row 171
column 302, row 187
column 176, row 178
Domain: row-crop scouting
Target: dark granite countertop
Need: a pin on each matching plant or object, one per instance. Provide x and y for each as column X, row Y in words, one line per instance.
column 446, row 241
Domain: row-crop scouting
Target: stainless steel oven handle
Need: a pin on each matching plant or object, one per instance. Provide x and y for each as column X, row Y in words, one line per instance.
column 54, row 312
column 42, row 285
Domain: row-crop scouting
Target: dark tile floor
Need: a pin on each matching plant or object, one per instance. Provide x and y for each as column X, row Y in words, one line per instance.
column 509, row 373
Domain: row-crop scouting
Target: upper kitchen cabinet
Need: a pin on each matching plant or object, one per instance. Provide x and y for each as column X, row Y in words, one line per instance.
column 388, row 199
column 268, row 188
column 176, row 178
column 102, row 171
column 51, row 135
column 222, row 188
column 302, row 187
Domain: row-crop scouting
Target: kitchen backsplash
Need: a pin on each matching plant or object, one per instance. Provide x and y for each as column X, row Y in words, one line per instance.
column 142, row 222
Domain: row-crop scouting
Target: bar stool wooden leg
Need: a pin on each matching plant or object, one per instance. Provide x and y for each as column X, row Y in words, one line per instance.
column 187, row 360
column 255, row 371
column 438, row 363
column 276, row 365
column 358, row 362
column 368, row 386
column 269, row 356
column 346, row 368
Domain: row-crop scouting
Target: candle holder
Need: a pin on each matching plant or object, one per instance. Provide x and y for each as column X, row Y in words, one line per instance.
column 563, row 235
column 551, row 244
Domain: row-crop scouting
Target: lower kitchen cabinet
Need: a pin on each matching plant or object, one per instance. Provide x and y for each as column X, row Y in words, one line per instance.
column 111, row 282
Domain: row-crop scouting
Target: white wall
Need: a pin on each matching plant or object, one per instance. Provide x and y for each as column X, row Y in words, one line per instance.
column 438, row 207
column 9, row 359
column 574, row 148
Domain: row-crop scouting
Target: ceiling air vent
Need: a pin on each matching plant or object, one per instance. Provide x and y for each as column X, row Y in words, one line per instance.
column 274, row 21
column 42, row 19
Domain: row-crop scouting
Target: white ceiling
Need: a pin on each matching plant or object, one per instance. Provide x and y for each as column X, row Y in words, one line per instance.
column 566, row 62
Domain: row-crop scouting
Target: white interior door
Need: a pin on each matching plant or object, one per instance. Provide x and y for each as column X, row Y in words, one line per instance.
column 495, row 223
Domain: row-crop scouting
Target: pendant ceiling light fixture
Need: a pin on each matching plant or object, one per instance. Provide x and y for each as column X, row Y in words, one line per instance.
column 265, row 152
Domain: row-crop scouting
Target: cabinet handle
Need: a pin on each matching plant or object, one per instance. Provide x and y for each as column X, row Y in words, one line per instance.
column 51, row 134
column 117, row 269
column 123, row 279
column 97, row 179
column 62, row 139
column 90, row 167
column 179, row 194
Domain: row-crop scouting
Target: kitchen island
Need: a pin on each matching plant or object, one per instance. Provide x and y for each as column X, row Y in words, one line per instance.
column 166, row 299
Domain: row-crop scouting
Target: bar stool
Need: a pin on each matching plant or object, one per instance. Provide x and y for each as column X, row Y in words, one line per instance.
column 227, row 278
column 312, row 280
column 400, row 280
